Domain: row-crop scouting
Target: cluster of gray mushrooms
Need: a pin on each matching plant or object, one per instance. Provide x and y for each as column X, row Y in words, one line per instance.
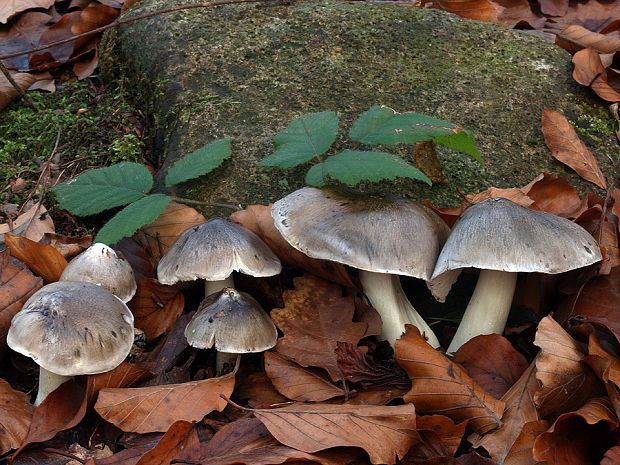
column 81, row 324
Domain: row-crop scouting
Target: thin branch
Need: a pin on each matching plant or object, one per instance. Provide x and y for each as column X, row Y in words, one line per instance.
column 119, row 22
column 205, row 204
column 17, row 87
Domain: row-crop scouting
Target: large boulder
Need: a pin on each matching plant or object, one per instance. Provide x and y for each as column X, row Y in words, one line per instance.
column 245, row 71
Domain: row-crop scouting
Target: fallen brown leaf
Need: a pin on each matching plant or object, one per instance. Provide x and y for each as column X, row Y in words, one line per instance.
column 575, row 38
column 155, row 307
column 553, row 7
column 68, row 247
column 566, row 380
column 257, row 218
column 385, row 433
column 521, row 451
column 612, row 456
column 15, row 416
column 8, row 92
column 442, row 386
column 10, row 8
column 17, row 284
column 589, row 71
column 33, row 223
column 607, row 368
column 179, row 443
column 566, row 147
column 515, row 194
column 247, row 441
column 555, row 195
column 259, row 392
column 315, row 318
column 156, row 408
column 574, row 435
column 492, row 363
column 43, row 260
column 158, row 236
column 124, row 375
column 440, row 436
column 299, row 383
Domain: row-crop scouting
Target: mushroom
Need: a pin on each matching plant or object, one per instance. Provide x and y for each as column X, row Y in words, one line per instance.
column 502, row 239
column 99, row 264
column 232, row 320
column 69, row 329
column 383, row 236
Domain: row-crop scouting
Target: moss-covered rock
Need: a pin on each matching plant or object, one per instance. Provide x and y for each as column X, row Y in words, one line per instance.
column 245, row 71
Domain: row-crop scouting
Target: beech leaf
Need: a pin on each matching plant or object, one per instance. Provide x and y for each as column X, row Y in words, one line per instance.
column 15, row 416
column 442, row 386
column 43, row 260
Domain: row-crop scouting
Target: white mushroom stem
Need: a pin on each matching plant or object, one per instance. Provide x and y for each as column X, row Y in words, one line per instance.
column 48, row 382
column 211, row 287
column 386, row 295
column 488, row 308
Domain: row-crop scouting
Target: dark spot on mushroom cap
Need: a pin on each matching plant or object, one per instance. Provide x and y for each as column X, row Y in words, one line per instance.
column 113, row 333
column 587, row 249
column 77, row 353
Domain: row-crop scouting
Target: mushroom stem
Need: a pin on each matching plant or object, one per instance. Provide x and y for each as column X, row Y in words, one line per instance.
column 488, row 308
column 48, row 382
column 211, row 287
column 386, row 295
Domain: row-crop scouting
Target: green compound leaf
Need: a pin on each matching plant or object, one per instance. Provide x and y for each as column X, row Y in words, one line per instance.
column 104, row 188
column 199, row 162
column 351, row 167
column 303, row 139
column 382, row 125
column 129, row 219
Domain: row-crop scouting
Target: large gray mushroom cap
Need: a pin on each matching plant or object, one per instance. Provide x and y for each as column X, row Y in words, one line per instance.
column 213, row 250
column 378, row 233
column 73, row 328
column 497, row 234
column 99, row 264
column 232, row 320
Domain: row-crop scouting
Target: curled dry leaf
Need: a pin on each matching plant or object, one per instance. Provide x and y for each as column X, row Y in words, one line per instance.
column 576, row 37
column 124, row 375
column 442, row 386
column 158, row 236
column 33, row 223
column 385, row 433
column 515, row 194
column 43, row 260
column 521, row 451
column 566, row 380
column 156, row 307
column 315, row 318
column 8, row 92
column 555, row 195
column 156, row 408
column 299, row 383
column 68, row 247
column 492, row 363
column 257, row 218
column 15, row 416
column 179, row 443
column 590, row 71
column 576, row 435
column 520, row 410
column 440, row 438
column 566, row 147
column 17, row 284
column 247, row 441
column 607, row 368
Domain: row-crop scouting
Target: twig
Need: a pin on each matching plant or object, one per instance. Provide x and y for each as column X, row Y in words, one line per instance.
column 206, row 204
column 64, row 454
column 17, row 87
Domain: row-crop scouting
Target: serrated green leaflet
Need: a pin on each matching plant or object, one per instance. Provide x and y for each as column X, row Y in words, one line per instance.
column 462, row 141
column 104, row 188
column 351, row 167
column 199, row 162
column 129, row 219
column 303, row 139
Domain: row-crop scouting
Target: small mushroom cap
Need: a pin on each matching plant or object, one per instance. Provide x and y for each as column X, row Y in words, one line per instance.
column 99, row 264
column 234, row 322
column 379, row 233
column 497, row 234
column 73, row 328
column 213, row 250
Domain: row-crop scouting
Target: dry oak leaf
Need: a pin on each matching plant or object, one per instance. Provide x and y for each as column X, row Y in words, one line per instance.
column 566, row 380
column 385, row 433
column 442, row 386
column 520, row 410
column 258, row 219
column 179, row 443
column 590, row 71
column 566, row 147
column 158, row 236
column 492, row 362
column 43, row 260
column 156, row 408
column 10, row 8
column 572, row 436
column 575, row 38
column 299, row 383
column 15, row 416
column 17, row 284
column 156, row 307
column 315, row 318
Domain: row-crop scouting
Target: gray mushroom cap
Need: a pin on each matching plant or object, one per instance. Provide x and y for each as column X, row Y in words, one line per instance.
column 213, row 250
column 377, row 233
column 497, row 234
column 99, row 264
column 232, row 320
column 73, row 328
